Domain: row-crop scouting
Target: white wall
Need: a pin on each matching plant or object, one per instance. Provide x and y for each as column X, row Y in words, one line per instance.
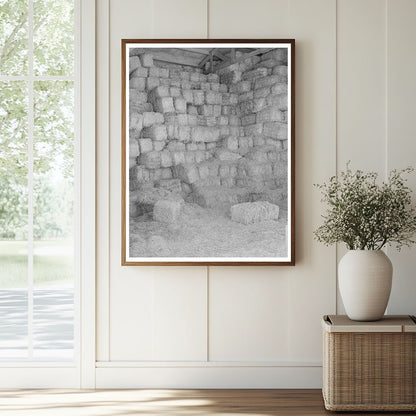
column 248, row 326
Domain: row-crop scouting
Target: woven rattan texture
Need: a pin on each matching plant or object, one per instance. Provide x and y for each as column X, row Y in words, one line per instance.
column 369, row 371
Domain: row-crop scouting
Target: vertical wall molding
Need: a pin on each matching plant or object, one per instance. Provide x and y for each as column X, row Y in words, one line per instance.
column 88, row 202
column 103, row 180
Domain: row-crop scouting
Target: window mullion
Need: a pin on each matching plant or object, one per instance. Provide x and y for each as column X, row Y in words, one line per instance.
column 30, row 177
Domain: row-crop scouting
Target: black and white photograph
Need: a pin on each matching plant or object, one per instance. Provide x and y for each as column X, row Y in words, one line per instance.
column 208, row 152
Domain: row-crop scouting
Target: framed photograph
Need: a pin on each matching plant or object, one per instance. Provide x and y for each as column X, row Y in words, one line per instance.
column 208, row 136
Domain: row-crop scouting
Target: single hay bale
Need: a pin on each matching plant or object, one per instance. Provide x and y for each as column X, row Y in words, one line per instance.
column 248, row 119
column 144, row 199
column 155, row 132
column 146, row 145
column 147, row 60
column 189, row 157
column 213, row 77
column 206, row 110
column 158, row 146
column 278, row 100
column 192, row 116
column 255, row 73
column 137, row 97
column 175, row 146
column 280, row 70
column 132, row 161
column 140, row 107
column 205, row 134
column 166, row 173
column 226, row 155
column 262, row 92
column 268, row 81
column 150, row 118
column 222, row 88
column 166, row 159
column 277, row 196
column 175, row 92
column 180, row 105
column 275, row 130
column 167, row 211
column 279, row 88
column 184, row 133
column 188, row 96
column 231, row 143
column 252, row 212
column 198, row 97
column 152, row 82
column 187, row 173
column 159, row 92
column 243, row 86
column 271, row 113
column 279, row 55
column 138, row 83
column 246, row 96
column 158, row 72
column 136, row 51
column 222, row 120
column 178, row 158
column 234, row 121
column 137, row 176
column 260, row 153
column 211, row 121
column 212, row 97
column 216, row 196
column 136, row 121
column 151, row 160
column 139, row 73
column 164, row 105
column 253, row 129
column 229, row 99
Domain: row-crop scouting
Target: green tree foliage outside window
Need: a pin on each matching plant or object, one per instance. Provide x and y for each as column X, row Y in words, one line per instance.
column 53, row 119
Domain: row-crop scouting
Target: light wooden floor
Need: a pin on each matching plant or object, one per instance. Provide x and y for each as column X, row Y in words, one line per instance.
column 163, row 402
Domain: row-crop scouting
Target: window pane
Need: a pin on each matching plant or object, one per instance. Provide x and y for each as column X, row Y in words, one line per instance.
column 53, row 197
column 53, row 37
column 13, row 37
column 13, row 324
column 53, row 319
column 13, row 219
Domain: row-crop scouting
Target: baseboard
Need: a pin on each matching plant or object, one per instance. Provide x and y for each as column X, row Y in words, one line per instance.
column 39, row 378
column 209, row 377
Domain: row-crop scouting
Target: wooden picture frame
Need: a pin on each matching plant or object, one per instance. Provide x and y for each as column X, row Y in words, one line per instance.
column 208, row 152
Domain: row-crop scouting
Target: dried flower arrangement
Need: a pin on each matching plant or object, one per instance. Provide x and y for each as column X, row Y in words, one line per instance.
column 366, row 215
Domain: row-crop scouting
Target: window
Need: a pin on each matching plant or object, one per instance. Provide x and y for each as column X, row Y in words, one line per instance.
column 38, row 184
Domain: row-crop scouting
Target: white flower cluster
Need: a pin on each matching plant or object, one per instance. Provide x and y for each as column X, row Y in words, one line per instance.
column 365, row 215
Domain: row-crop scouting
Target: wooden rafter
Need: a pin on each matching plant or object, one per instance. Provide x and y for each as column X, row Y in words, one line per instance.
column 218, row 54
column 248, row 55
column 196, row 50
column 176, row 61
column 206, row 59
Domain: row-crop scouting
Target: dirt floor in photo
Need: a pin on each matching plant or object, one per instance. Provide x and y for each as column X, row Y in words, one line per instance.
column 207, row 232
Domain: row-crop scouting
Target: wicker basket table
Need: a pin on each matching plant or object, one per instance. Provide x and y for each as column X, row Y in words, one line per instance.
column 369, row 366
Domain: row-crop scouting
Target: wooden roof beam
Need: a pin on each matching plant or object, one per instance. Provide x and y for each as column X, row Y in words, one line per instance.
column 248, row 55
column 206, row 59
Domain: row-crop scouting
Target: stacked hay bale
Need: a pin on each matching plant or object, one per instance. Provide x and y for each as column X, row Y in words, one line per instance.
column 202, row 135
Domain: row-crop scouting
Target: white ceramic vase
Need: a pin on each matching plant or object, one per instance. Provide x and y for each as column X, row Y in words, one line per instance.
column 364, row 278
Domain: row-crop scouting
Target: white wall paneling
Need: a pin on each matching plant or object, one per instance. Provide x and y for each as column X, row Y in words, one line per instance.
column 401, row 132
column 247, row 326
column 361, row 88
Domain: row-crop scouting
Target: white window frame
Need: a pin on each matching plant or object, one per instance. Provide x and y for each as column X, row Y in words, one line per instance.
column 81, row 371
